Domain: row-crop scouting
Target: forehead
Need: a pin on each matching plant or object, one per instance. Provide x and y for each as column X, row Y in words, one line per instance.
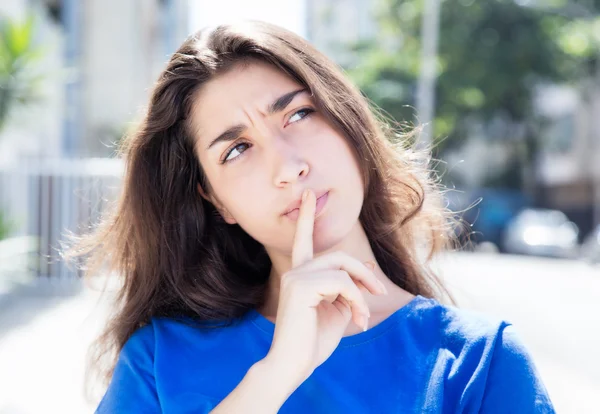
column 222, row 100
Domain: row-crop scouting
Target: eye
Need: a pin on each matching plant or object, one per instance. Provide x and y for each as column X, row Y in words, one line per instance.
column 296, row 117
column 232, row 150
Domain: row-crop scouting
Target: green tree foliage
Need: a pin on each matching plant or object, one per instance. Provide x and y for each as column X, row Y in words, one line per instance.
column 491, row 55
column 19, row 53
column 19, row 82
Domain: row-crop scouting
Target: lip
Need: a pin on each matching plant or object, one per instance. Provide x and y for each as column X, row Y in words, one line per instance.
column 296, row 204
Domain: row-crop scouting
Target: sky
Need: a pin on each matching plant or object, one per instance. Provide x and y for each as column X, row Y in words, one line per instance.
column 289, row 14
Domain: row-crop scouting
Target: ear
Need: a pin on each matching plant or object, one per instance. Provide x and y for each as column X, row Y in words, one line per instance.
column 202, row 193
column 222, row 210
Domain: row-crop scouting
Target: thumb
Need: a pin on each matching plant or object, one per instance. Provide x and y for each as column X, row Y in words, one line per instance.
column 343, row 306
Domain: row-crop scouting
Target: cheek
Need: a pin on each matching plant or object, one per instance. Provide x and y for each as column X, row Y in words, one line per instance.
column 341, row 161
column 243, row 195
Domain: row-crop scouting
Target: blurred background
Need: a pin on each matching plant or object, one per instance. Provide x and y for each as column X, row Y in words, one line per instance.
column 508, row 92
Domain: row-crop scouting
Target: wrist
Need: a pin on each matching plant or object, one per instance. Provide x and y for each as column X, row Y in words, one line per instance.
column 278, row 374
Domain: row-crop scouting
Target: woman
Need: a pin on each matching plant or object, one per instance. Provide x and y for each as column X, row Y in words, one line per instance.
column 270, row 234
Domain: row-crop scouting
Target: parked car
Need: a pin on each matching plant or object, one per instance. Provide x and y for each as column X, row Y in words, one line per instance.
column 590, row 248
column 488, row 211
column 542, row 232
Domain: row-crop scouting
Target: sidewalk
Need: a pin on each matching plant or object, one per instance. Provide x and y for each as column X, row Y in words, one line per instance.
column 45, row 329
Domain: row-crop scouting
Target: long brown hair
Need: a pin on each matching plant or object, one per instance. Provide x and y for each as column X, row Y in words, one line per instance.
column 175, row 254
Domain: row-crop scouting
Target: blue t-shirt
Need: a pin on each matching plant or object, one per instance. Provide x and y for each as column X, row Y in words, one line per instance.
column 424, row 358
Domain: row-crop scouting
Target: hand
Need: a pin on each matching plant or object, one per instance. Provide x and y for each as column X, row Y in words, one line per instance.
column 318, row 298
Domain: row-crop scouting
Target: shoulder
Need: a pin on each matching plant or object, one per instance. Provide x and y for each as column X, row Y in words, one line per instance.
column 132, row 385
column 157, row 333
column 139, row 347
column 453, row 327
column 161, row 334
column 470, row 338
column 479, row 362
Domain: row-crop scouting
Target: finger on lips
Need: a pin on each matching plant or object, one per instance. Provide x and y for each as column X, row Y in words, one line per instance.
column 302, row 250
column 361, row 273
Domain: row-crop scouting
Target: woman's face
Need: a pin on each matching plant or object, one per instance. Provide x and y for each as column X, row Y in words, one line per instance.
column 276, row 149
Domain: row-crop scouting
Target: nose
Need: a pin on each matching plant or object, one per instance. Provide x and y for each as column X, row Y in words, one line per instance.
column 289, row 165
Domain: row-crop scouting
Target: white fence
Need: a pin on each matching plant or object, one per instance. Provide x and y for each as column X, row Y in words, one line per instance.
column 44, row 198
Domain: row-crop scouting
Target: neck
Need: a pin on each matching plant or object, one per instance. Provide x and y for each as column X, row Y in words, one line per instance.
column 355, row 244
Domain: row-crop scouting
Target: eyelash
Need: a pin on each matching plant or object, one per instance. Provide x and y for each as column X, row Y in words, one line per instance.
column 309, row 111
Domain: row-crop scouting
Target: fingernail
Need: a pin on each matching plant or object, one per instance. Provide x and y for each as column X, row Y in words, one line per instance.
column 304, row 194
column 370, row 265
column 383, row 288
column 366, row 323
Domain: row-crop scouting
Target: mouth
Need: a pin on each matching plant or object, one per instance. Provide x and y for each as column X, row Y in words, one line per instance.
column 321, row 202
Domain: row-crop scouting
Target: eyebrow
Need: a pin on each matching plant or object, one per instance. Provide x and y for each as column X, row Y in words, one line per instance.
column 278, row 105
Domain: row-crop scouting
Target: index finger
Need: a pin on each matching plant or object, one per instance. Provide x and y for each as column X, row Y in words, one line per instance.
column 302, row 250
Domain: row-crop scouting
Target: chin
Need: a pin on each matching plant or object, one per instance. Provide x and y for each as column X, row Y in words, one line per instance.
column 328, row 234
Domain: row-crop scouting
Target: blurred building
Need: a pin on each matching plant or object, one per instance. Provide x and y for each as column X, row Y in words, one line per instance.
column 105, row 57
column 124, row 47
column 568, row 170
column 36, row 129
column 290, row 14
column 334, row 24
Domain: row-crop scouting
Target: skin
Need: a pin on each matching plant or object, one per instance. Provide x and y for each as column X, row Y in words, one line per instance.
column 273, row 161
